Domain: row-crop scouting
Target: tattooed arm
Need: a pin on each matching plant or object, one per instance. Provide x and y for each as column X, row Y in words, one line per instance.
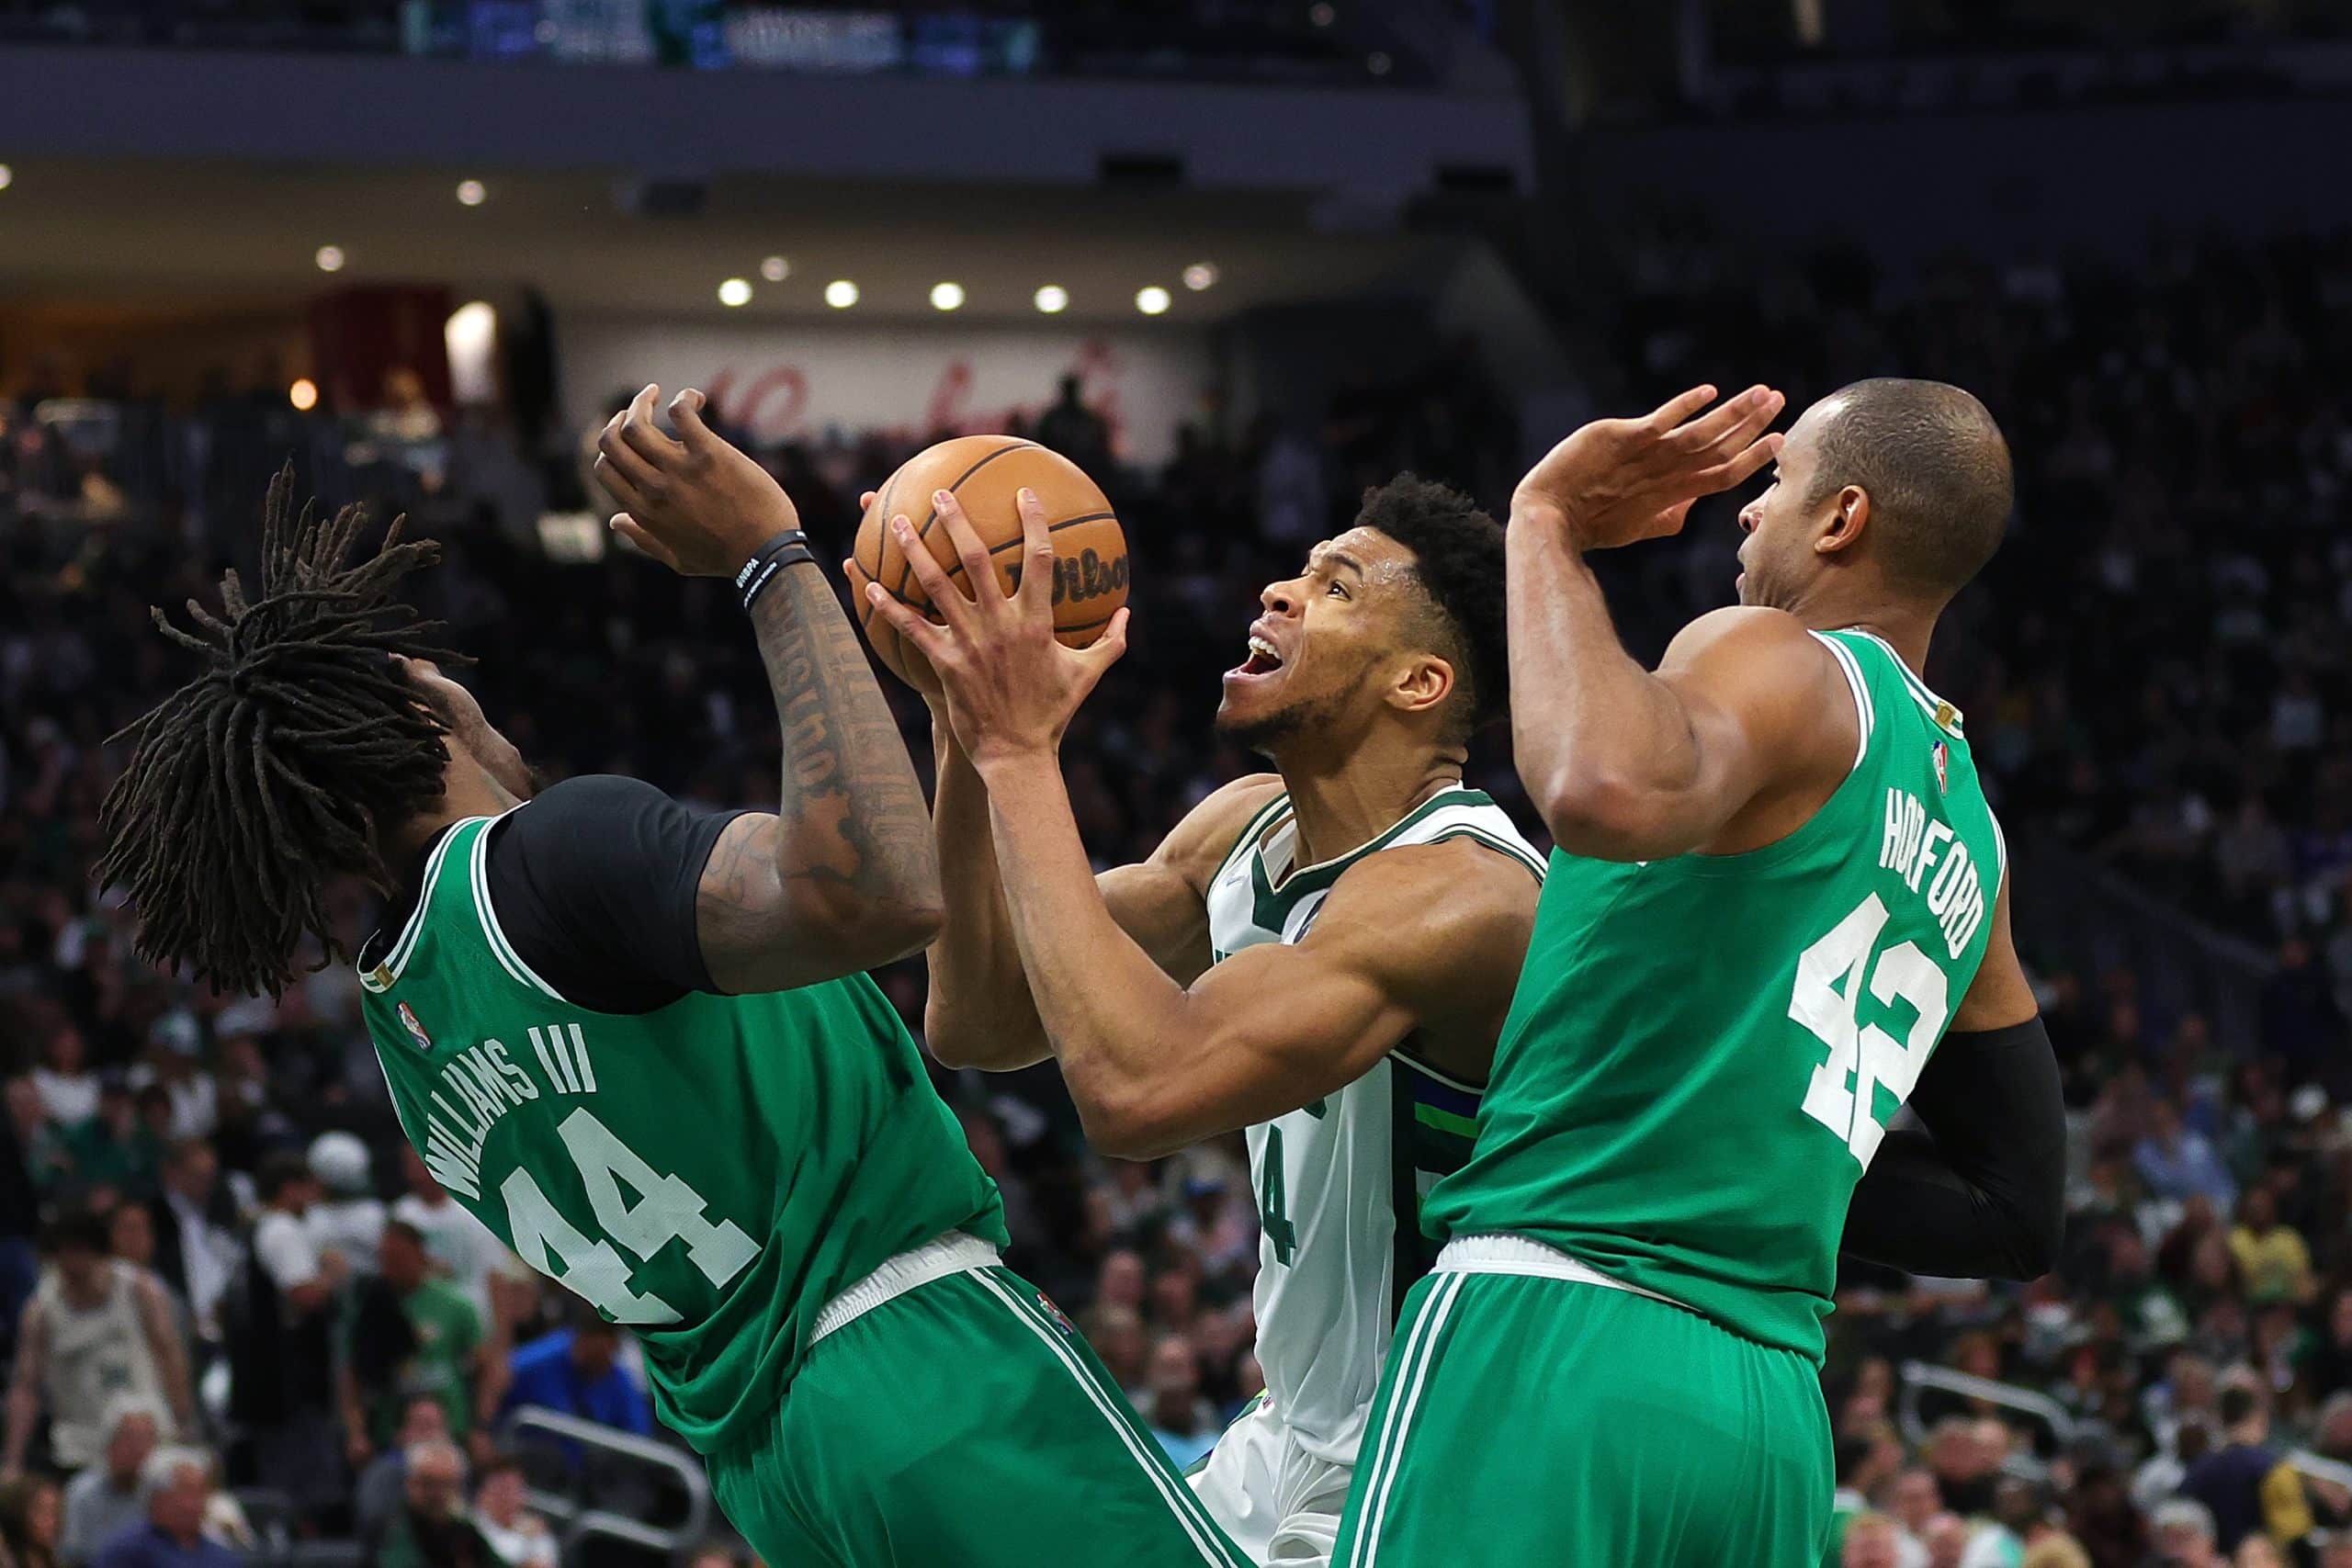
column 844, row 876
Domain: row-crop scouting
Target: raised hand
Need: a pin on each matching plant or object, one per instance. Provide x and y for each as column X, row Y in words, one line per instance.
column 1618, row 480
column 693, row 502
column 1009, row 687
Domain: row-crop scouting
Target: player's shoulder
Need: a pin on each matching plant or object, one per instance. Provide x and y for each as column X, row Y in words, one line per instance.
column 1744, row 631
column 1200, row 841
column 1456, row 897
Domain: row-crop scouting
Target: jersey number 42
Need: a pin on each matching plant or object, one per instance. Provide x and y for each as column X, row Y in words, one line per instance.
column 1831, row 979
column 667, row 1210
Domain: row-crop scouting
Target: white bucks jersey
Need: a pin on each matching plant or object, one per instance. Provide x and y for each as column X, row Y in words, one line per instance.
column 1339, row 1181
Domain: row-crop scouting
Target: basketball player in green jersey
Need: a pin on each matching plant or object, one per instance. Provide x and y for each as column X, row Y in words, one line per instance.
column 1777, row 885
column 633, row 1039
column 1322, row 956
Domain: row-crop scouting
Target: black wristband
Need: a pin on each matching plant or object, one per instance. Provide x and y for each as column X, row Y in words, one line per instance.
column 787, row 548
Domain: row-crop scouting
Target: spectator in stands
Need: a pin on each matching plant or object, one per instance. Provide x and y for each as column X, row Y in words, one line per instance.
column 1173, row 1408
column 69, row 1090
column 430, row 1529
column 29, row 1517
column 1870, row 1541
column 385, row 1480
column 458, row 1243
column 1075, row 431
column 405, row 1332
column 196, row 1223
column 1946, row 1539
column 2272, row 1258
column 178, row 1484
column 578, row 1371
column 2245, row 1485
column 94, row 1328
column 2183, row 1530
column 2335, row 1550
column 520, row 1536
column 348, row 1217
column 2177, row 1162
column 2258, row 1552
column 282, row 1380
column 111, row 1148
column 105, row 1499
column 1918, row 1499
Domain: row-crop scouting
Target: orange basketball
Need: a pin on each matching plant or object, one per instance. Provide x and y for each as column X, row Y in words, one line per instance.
column 984, row 473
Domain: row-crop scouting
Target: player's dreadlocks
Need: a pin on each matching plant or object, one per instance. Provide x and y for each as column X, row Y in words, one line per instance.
column 270, row 773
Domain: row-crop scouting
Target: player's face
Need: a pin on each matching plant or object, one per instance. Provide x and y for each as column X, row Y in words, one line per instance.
column 1317, row 654
column 473, row 732
column 1777, row 558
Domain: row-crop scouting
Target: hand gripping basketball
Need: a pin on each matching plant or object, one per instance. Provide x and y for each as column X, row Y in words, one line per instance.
column 1011, row 686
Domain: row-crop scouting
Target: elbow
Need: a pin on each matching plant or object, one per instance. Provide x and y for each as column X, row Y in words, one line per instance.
column 1135, row 1122
column 2041, row 1235
column 1606, row 816
column 871, row 929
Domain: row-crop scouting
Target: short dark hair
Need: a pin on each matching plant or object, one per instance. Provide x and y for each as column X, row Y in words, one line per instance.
column 1458, row 560
column 280, row 1170
column 2237, row 1402
column 1936, row 469
column 78, row 1229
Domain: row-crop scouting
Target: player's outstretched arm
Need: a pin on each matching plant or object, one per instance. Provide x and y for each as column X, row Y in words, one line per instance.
column 842, row 877
column 1623, row 763
column 979, row 1012
column 1978, row 1190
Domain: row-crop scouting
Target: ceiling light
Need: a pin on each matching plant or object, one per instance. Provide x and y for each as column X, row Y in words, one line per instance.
column 776, row 269
column 1053, row 298
column 1200, row 275
column 303, row 394
column 841, row 294
column 1378, row 63
column 1153, row 299
column 946, row 296
column 470, row 193
column 735, row 291
column 7, row 177
column 1321, row 13
column 330, row 258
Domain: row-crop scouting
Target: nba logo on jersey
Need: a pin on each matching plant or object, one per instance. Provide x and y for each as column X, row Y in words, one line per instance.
column 1045, row 1303
column 1943, row 767
column 415, row 1030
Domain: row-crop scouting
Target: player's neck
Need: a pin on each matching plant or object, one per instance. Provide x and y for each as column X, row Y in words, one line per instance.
column 467, row 791
column 1904, row 629
column 1344, row 806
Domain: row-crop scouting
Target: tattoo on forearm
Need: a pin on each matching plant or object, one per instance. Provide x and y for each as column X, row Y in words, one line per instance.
column 853, row 811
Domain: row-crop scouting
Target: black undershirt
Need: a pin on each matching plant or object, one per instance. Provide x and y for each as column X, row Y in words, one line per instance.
column 593, row 880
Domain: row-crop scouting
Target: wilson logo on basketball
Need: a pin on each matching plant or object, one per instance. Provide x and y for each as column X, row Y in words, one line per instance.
column 1083, row 576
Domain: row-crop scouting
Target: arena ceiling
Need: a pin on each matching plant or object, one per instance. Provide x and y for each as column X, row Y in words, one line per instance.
column 146, row 235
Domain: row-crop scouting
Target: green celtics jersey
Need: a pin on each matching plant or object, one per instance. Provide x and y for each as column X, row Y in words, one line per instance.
column 709, row 1173
column 1704, row 1052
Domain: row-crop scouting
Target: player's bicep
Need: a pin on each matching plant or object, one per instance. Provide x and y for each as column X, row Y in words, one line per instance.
column 2000, row 996
column 1283, row 1025
column 764, row 924
column 1162, row 913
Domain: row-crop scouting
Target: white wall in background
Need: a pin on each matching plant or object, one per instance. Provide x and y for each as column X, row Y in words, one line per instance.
column 793, row 381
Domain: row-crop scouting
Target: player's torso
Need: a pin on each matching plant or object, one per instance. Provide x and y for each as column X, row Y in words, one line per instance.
column 709, row 1173
column 1339, row 1182
column 1704, row 1052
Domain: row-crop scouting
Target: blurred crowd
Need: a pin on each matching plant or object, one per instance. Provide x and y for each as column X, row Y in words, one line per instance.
column 219, row 1249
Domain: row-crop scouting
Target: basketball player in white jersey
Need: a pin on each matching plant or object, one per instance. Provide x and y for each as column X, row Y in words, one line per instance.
column 1323, row 955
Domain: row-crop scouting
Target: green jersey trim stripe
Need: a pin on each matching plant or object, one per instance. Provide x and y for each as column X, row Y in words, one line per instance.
column 1250, row 832
column 478, row 864
column 1449, row 1080
column 395, row 960
column 1863, row 711
column 1412, row 1372
column 1934, row 706
column 1189, row 1515
column 1500, row 846
column 1444, row 1120
column 1296, row 884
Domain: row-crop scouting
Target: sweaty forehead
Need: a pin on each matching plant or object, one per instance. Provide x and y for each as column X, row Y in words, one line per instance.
column 1380, row 560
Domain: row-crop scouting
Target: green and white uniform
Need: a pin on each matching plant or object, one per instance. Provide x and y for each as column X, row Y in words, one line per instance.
column 1617, row 1359
column 766, row 1189
column 1338, row 1185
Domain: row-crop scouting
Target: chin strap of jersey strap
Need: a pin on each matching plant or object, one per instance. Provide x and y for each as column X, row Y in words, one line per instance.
column 787, row 548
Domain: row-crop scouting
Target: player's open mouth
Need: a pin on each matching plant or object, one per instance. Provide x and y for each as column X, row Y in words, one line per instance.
column 1263, row 659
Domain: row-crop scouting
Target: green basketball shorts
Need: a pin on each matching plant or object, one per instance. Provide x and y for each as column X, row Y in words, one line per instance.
column 947, row 1413
column 1530, row 1417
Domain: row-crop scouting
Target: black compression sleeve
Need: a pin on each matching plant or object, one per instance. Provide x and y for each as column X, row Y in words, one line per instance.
column 595, row 883
column 1981, row 1192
